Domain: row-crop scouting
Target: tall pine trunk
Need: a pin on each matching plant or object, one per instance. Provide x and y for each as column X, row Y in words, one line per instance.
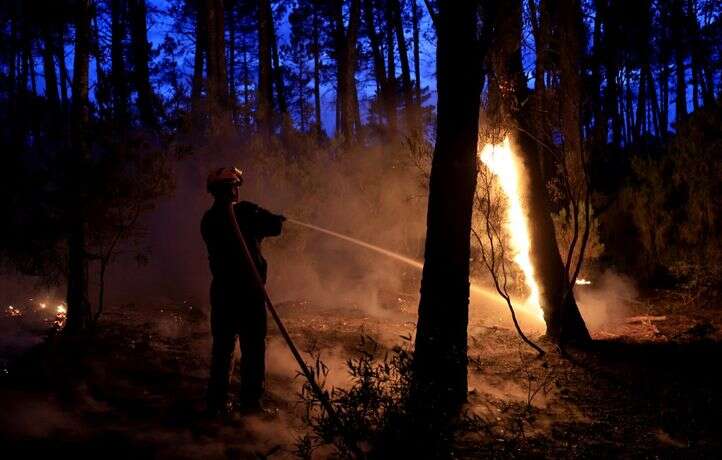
column 441, row 339
column 403, row 53
column 345, row 50
column 197, row 109
column 678, row 37
column 216, row 78
column 278, row 78
column 316, row 50
column 376, row 55
column 265, row 71
column 79, row 315
column 390, row 98
column 232, row 25
column 118, row 76
column 51, row 79
column 417, row 51
column 141, row 57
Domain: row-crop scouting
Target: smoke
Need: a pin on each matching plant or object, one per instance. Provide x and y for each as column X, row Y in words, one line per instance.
column 377, row 195
column 606, row 301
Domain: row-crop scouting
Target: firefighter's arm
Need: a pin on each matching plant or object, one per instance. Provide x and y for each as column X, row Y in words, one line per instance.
column 270, row 224
column 263, row 222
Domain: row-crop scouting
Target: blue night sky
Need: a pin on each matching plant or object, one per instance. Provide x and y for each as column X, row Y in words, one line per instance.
column 160, row 24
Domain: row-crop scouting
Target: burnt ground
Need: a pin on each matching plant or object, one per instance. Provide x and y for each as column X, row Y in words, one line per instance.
column 649, row 387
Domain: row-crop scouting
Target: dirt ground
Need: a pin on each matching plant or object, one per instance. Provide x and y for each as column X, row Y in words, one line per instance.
column 649, row 387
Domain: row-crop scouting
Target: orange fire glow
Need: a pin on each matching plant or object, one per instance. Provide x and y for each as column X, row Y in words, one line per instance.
column 503, row 163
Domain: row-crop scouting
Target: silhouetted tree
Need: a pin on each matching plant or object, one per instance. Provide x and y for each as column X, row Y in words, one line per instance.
column 441, row 340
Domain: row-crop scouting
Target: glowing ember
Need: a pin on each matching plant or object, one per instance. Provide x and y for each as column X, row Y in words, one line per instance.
column 13, row 312
column 583, row 282
column 501, row 161
column 60, row 316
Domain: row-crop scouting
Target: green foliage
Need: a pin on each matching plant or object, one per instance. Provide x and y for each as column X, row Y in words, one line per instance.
column 564, row 226
column 376, row 398
column 672, row 198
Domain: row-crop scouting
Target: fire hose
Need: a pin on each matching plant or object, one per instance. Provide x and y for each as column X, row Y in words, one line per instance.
column 320, row 394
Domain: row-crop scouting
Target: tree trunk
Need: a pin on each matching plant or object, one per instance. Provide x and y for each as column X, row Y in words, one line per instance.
column 265, row 71
column 232, row 25
column 390, row 98
column 601, row 130
column 403, row 53
column 441, row 340
column 216, row 79
column 345, row 44
column 200, row 47
column 540, row 29
column 316, row 50
column 376, row 54
column 640, row 126
column 564, row 322
column 654, row 101
column 679, row 56
column 246, row 71
column 79, row 316
column 63, row 67
column 629, row 106
column 608, row 14
column 13, row 52
column 278, row 79
column 51, row 79
column 117, row 70
column 695, row 47
column 417, row 52
column 103, row 90
column 141, row 56
column 664, row 93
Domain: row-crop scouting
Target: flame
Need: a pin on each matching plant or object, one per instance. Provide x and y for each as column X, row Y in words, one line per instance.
column 501, row 160
column 582, row 282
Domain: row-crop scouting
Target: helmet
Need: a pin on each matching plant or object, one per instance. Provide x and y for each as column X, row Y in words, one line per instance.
column 221, row 176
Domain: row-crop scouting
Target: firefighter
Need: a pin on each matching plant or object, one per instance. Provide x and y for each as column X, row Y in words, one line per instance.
column 237, row 301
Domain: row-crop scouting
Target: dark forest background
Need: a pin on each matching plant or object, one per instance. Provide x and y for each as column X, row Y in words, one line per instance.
column 92, row 114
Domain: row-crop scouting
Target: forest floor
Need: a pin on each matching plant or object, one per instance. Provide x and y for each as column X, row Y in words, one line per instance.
column 649, row 387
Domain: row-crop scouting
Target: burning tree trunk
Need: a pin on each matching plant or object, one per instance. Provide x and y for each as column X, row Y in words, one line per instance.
column 441, row 339
column 509, row 92
column 79, row 316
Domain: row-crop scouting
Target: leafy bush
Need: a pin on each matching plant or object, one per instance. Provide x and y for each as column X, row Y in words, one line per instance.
column 377, row 396
column 383, row 413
